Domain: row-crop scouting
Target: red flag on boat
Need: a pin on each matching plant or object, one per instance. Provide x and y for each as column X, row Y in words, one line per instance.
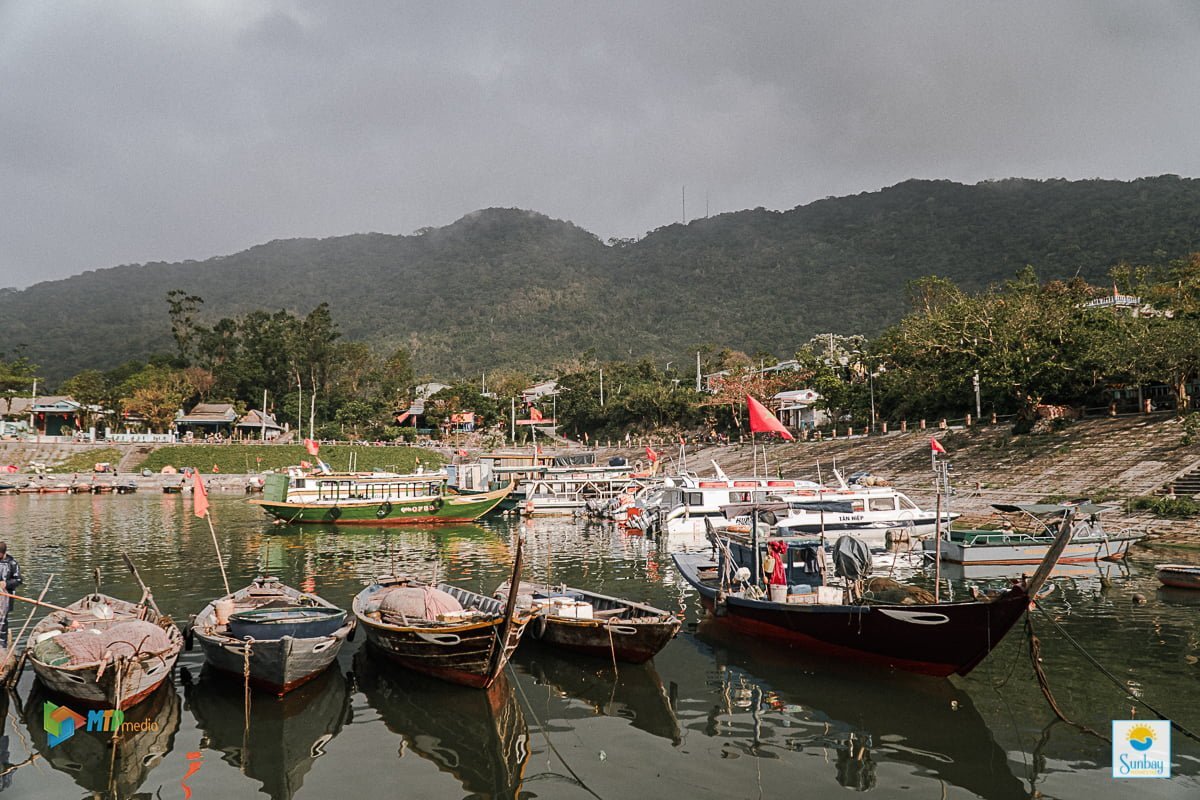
column 312, row 447
column 534, row 415
column 936, row 446
column 199, row 496
column 305, row 465
column 651, row 454
column 763, row 421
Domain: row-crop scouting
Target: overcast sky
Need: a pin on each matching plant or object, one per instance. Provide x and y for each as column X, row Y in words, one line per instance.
column 149, row 131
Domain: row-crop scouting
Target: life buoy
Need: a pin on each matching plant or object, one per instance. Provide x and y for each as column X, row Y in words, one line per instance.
column 334, row 513
column 383, row 510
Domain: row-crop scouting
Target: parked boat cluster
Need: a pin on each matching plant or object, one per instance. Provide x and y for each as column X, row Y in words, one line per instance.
column 783, row 560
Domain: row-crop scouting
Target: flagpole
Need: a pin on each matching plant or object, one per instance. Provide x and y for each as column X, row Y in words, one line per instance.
column 220, row 558
column 201, row 494
column 937, row 527
column 754, row 519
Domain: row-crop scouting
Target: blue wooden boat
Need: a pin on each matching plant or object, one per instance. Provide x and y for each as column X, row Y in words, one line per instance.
column 285, row 637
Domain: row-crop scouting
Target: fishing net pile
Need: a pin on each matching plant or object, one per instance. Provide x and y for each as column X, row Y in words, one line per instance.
column 126, row 639
column 414, row 603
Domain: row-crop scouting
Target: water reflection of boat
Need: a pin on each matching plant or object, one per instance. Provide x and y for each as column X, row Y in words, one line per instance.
column 87, row 755
column 287, row 734
column 480, row 738
column 793, row 702
column 1178, row 597
column 635, row 693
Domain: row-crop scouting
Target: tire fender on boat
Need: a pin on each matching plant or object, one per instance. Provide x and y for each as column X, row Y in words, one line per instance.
column 334, row 513
column 384, row 509
column 438, row 503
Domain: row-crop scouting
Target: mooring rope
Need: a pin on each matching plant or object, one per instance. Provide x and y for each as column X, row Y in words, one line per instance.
column 546, row 735
column 246, row 704
column 1035, row 658
column 1113, row 678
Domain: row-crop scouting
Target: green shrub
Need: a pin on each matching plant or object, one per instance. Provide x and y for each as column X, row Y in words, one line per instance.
column 1166, row 507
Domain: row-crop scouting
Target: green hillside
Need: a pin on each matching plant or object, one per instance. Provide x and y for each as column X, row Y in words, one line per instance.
column 506, row 287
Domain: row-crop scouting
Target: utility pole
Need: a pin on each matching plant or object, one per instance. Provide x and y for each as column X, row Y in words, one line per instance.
column 262, row 434
column 978, row 409
column 698, row 371
column 602, row 386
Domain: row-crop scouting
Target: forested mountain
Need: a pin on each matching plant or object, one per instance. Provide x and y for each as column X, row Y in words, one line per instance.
column 505, row 287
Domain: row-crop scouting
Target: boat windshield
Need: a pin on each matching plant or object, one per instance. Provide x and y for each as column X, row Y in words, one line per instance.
column 827, row 506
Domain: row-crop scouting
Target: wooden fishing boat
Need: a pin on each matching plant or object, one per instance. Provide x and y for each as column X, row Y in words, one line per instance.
column 373, row 499
column 104, row 652
column 1028, row 544
column 1178, row 576
column 898, row 632
column 467, row 647
column 595, row 624
column 293, row 636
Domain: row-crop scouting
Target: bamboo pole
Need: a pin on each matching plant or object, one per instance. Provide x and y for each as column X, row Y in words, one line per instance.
column 8, row 656
column 217, row 547
column 37, row 602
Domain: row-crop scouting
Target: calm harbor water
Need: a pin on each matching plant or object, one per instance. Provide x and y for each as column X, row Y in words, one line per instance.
column 712, row 716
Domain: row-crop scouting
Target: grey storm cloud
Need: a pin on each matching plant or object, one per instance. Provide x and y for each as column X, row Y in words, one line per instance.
column 134, row 131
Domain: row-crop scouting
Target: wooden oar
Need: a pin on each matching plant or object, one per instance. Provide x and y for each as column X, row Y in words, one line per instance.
column 8, row 656
column 38, row 603
column 147, row 595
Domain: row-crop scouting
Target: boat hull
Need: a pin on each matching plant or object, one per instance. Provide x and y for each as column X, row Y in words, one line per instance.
column 938, row 639
column 452, row 508
column 622, row 630
column 276, row 665
column 1179, row 576
column 1077, row 551
column 631, row 641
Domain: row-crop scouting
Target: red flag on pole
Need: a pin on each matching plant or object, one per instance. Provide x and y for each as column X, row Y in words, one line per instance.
column 763, row 421
column 312, row 447
column 534, row 415
column 199, row 496
column 651, row 454
column 936, row 446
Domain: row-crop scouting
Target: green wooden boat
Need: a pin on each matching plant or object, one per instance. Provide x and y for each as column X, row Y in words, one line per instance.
column 376, row 498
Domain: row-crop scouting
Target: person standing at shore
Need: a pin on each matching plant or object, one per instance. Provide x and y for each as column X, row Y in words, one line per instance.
column 10, row 575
